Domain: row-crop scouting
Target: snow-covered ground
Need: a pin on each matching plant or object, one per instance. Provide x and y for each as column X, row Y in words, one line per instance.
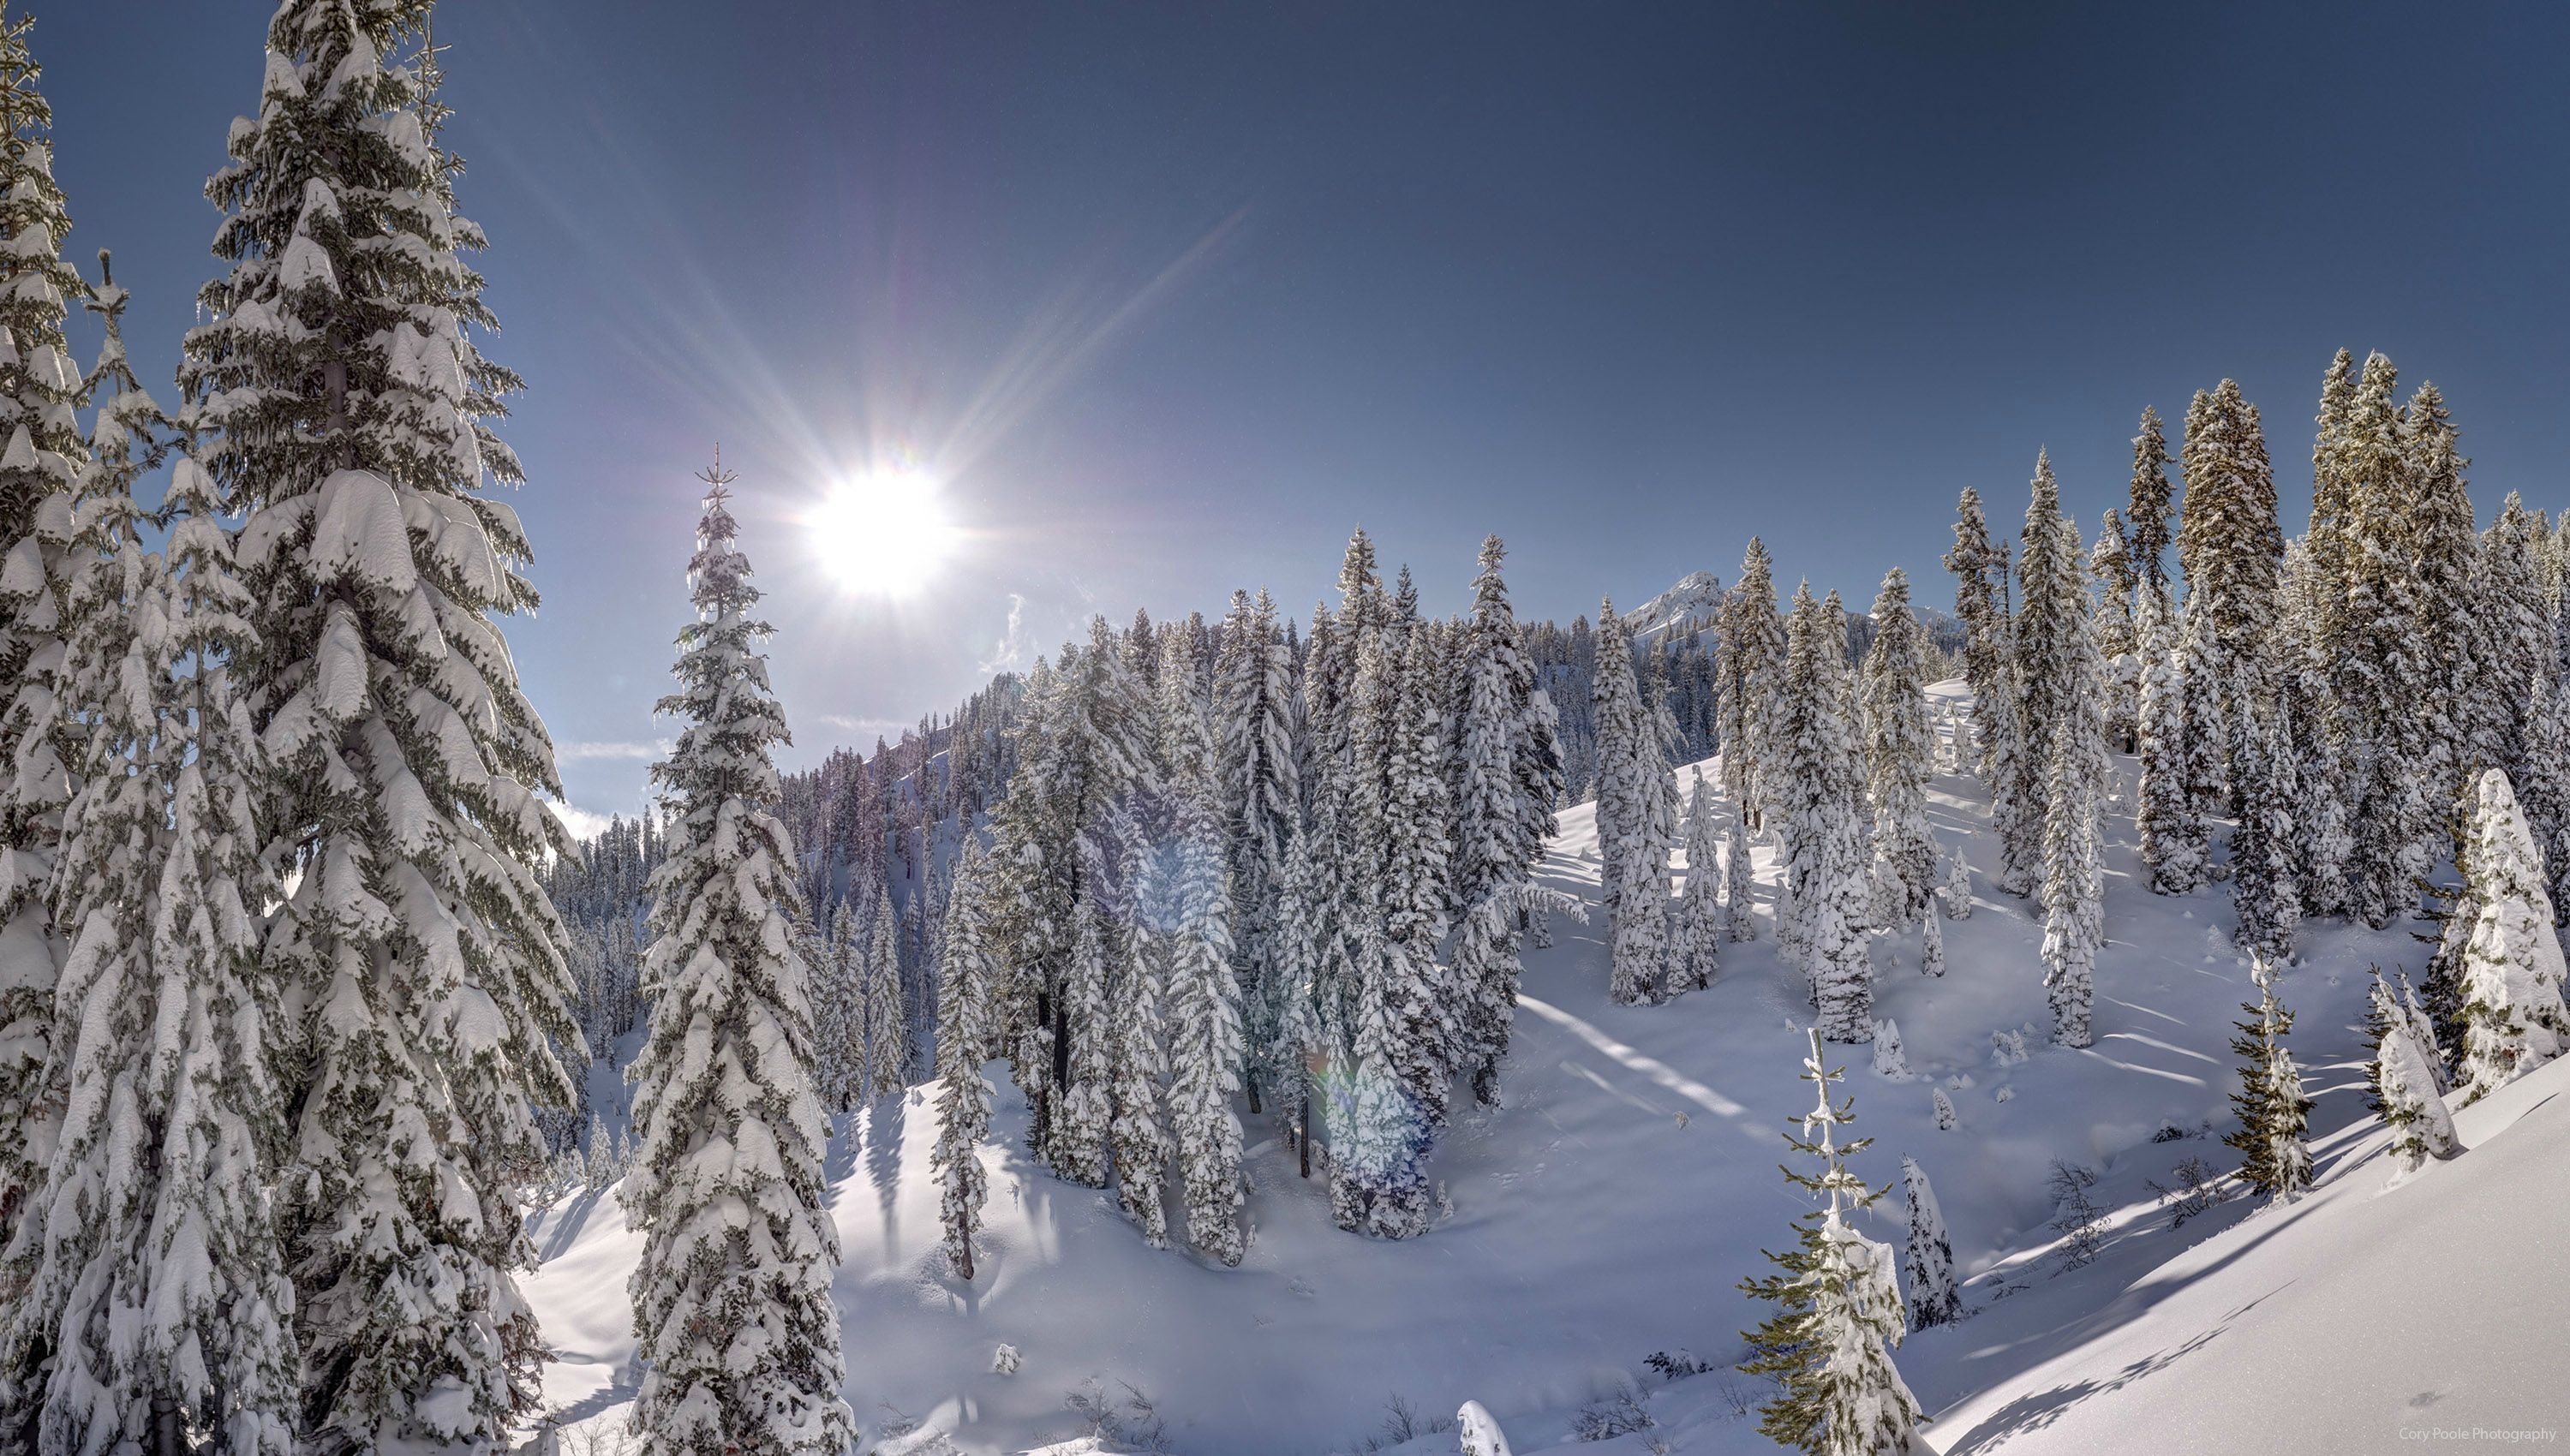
column 1610, row 1209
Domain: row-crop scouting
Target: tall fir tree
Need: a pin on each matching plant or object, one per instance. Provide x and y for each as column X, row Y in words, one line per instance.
column 1635, row 821
column 887, row 1021
column 1823, row 915
column 2266, row 892
column 1839, row 1312
column 1504, row 813
column 2386, row 671
column 2074, row 884
column 839, row 1013
column 2275, row 1113
column 2512, row 972
column 1205, row 1047
column 1700, row 921
column 1934, row 1298
column 2170, row 828
column 1739, row 917
column 1752, row 639
column 1893, row 693
column 2446, row 554
column 962, row 1040
column 1261, row 801
column 38, row 469
column 344, row 407
column 732, row 1287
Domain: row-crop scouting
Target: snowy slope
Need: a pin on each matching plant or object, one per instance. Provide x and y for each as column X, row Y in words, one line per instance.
column 1608, row 1211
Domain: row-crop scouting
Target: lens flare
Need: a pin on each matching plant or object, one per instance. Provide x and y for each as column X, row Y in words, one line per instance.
column 883, row 532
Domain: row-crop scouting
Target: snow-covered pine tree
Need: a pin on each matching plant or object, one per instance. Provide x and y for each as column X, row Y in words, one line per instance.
column 151, row 1290
column 1839, row 1309
column 2513, row 1017
column 2386, row 671
column 2111, row 564
column 1819, row 764
column 1931, row 946
column 2331, row 540
column 1894, row 693
column 1416, row 878
column 2511, row 637
column 1958, row 893
column 732, row 1289
column 2146, row 510
column 38, row 386
column 2052, row 613
column 2274, row 1111
column 2544, row 789
column 1934, row 1298
column 1205, row 1046
column 887, row 1020
column 1699, row 921
column 2232, row 548
column 2324, row 835
column 1751, row 636
column 1980, row 580
column 1139, row 1134
column 1739, row 917
column 2266, row 895
column 1080, row 1128
column 346, row 408
column 1635, row 822
column 962, row 1040
column 1262, row 800
column 2445, row 552
column 2405, row 1085
column 1301, row 1041
column 839, row 1014
column 1509, row 785
column 2060, row 652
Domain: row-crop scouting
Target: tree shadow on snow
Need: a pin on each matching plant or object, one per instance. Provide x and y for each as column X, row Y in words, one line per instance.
column 570, row 1217
column 886, row 1124
column 2035, row 1412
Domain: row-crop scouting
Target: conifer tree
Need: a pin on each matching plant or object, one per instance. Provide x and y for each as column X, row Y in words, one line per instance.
column 2386, row 671
column 2545, row 795
column 1080, row 1130
column 2511, row 637
column 1958, row 893
column 37, row 467
column 1739, row 917
column 2322, row 831
column 1980, row 580
column 2061, row 655
column 1932, row 946
column 1504, row 813
column 962, row 1040
column 2051, row 616
column 1138, row 1135
column 2512, row 973
column 1635, row 821
column 2233, row 550
column 2110, row 563
column 2335, row 501
column 839, row 1013
column 2274, row 1112
column 887, row 1020
column 2169, row 826
column 1822, row 830
column 2266, row 897
column 732, row 1289
column 1416, row 878
column 1752, row 639
column 2405, row 1086
column 1839, row 1309
column 151, row 1290
column 2445, row 553
column 1934, row 1298
column 2147, row 512
column 345, row 406
column 1893, row 691
column 1262, row 800
column 1700, row 920
column 1204, row 1001
column 1302, row 1037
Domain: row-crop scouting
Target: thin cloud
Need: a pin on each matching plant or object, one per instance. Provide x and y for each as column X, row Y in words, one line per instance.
column 1011, row 653
column 582, row 752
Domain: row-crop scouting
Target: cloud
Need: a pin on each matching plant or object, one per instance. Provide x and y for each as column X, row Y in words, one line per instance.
column 575, row 752
column 866, row 727
column 1011, row 653
column 582, row 824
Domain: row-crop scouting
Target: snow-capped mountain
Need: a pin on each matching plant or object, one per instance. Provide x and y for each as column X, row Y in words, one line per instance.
column 1691, row 601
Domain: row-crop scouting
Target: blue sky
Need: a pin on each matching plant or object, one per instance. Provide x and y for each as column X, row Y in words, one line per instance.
column 1170, row 296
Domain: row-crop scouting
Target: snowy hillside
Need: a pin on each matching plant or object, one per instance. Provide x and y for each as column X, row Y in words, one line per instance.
column 1608, row 1211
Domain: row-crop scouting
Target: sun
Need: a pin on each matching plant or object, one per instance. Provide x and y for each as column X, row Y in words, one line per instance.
column 883, row 532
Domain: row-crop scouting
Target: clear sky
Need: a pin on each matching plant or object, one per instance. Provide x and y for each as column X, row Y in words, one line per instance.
column 1169, row 297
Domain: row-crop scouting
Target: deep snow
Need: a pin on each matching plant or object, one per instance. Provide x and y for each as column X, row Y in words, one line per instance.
column 1610, row 1209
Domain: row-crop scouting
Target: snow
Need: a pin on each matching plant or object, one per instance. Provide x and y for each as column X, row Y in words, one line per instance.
column 1692, row 599
column 1610, row 1208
